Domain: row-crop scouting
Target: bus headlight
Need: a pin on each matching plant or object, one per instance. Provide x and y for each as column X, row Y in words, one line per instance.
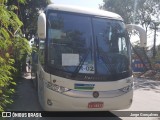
column 56, row 88
column 127, row 89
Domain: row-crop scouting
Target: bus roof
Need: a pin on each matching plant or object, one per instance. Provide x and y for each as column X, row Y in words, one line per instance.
column 76, row 9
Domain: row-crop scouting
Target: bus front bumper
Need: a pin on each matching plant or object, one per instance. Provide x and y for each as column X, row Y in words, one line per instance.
column 54, row 101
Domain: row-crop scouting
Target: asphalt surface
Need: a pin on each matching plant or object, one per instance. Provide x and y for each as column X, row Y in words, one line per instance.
column 146, row 99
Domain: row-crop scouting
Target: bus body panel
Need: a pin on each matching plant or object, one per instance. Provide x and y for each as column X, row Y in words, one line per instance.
column 76, row 9
column 64, row 102
column 98, row 86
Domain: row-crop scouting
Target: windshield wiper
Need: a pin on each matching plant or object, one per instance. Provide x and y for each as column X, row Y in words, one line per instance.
column 77, row 69
column 104, row 59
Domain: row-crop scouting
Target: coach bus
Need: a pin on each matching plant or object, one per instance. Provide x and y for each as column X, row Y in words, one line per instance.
column 83, row 60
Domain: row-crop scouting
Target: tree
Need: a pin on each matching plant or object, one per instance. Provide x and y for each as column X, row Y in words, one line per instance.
column 10, row 36
column 147, row 11
column 28, row 14
column 134, row 11
column 155, row 27
column 122, row 7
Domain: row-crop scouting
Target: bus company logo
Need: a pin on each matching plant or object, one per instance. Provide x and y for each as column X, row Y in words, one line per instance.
column 6, row 114
column 84, row 86
column 95, row 94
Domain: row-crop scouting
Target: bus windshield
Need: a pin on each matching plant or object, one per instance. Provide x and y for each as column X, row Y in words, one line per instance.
column 81, row 44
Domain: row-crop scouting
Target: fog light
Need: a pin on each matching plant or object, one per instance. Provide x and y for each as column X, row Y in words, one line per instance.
column 127, row 89
column 49, row 102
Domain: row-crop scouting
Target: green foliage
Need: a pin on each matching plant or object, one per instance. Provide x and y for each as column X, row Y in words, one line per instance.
column 6, row 70
column 13, row 48
column 134, row 11
column 21, row 50
column 156, row 58
column 122, row 7
column 22, row 1
column 28, row 12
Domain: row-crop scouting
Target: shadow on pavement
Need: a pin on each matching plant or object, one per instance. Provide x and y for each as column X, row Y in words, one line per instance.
column 145, row 84
column 25, row 97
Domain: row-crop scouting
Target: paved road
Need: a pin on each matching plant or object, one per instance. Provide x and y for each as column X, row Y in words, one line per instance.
column 146, row 98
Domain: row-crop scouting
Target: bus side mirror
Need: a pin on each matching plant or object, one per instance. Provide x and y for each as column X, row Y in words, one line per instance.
column 142, row 33
column 42, row 26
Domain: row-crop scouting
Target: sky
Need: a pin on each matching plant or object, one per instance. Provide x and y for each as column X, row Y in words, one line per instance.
column 94, row 4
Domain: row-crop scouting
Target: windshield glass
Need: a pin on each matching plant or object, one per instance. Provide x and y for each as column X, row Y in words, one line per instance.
column 111, row 46
column 80, row 44
column 70, row 42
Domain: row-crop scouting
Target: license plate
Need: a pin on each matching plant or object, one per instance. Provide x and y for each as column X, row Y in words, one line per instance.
column 95, row 105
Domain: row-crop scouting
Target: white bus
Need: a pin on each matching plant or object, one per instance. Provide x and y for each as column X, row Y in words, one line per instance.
column 84, row 60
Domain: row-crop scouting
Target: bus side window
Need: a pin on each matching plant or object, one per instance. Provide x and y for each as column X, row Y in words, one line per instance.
column 122, row 45
column 41, row 51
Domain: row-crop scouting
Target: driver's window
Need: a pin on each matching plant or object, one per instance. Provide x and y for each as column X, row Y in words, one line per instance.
column 122, row 46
